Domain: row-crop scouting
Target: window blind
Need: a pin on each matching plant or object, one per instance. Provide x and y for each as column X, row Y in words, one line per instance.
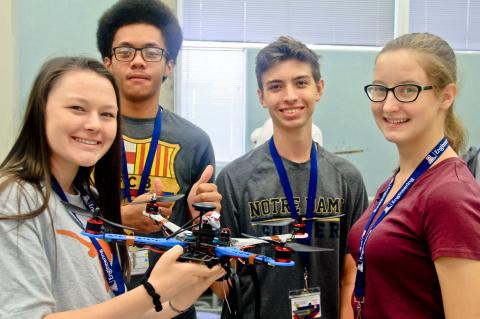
column 457, row 21
column 335, row 22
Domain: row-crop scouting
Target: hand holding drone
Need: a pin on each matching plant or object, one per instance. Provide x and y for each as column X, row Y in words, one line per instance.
column 173, row 277
column 178, row 283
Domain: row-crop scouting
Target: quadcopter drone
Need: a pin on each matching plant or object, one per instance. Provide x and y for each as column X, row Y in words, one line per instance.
column 205, row 242
column 284, row 243
column 213, row 219
column 201, row 244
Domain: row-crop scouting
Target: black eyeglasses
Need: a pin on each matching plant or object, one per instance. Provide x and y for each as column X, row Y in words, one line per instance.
column 403, row 93
column 149, row 54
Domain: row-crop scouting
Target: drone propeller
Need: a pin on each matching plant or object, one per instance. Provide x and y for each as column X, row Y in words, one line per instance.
column 159, row 199
column 288, row 221
column 307, row 248
column 84, row 212
column 293, row 245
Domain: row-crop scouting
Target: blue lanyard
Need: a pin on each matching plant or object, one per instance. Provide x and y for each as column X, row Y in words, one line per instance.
column 426, row 163
column 112, row 272
column 287, row 189
column 157, row 128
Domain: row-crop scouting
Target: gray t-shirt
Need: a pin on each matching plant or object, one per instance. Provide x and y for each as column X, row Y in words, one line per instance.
column 183, row 153
column 46, row 265
column 252, row 191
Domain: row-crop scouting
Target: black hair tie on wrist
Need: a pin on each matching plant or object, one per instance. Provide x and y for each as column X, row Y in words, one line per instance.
column 155, row 297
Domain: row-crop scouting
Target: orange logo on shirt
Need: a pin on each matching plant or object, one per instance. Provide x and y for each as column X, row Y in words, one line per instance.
column 92, row 252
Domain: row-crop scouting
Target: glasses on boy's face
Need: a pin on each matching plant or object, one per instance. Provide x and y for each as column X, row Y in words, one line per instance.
column 149, row 54
column 403, row 93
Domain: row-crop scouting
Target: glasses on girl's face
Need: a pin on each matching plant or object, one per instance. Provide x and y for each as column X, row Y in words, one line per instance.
column 403, row 93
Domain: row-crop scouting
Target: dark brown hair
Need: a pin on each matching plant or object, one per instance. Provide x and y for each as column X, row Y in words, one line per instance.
column 28, row 161
column 282, row 49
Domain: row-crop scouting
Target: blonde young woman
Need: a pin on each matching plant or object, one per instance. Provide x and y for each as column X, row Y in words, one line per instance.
column 417, row 246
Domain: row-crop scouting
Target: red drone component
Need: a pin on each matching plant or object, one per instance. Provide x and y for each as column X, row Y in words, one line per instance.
column 153, row 208
column 283, row 254
column 94, row 226
column 225, row 235
column 299, row 228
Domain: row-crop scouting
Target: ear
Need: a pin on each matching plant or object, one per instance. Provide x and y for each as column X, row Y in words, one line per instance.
column 169, row 68
column 107, row 62
column 448, row 95
column 320, row 87
column 261, row 97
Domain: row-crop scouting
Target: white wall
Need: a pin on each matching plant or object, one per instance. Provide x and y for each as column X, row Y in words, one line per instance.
column 9, row 117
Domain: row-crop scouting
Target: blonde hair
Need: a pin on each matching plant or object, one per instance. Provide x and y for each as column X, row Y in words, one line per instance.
column 439, row 63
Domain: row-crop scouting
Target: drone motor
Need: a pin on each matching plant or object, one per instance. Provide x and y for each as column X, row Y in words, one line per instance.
column 94, row 226
column 283, row 253
column 299, row 228
column 225, row 235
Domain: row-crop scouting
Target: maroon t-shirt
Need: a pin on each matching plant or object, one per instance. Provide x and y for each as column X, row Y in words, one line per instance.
column 438, row 217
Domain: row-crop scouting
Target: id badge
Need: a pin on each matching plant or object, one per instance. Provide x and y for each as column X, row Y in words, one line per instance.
column 305, row 303
column 138, row 260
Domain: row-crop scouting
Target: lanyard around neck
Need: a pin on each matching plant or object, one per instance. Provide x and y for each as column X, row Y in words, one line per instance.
column 157, row 128
column 111, row 271
column 287, row 189
column 426, row 163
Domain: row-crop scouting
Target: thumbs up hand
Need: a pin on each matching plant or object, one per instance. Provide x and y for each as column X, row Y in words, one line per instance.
column 203, row 191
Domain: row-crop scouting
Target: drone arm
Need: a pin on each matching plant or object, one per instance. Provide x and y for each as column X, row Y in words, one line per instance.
column 250, row 257
column 131, row 240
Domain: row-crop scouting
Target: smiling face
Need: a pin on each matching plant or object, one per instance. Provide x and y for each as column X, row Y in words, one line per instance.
column 289, row 93
column 139, row 80
column 414, row 123
column 80, row 120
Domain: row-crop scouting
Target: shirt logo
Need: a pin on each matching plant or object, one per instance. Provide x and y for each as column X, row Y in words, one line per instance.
column 163, row 165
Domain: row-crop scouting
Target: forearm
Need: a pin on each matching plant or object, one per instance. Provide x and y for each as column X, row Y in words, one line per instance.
column 132, row 304
column 166, row 312
column 347, row 284
column 346, row 311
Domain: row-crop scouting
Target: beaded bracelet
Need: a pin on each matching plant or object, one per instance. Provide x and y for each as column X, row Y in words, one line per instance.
column 155, row 297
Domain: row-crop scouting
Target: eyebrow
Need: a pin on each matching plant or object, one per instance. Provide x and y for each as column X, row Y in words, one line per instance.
column 146, row 45
column 81, row 99
column 398, row 83
column 274, row 82
column 301, row 77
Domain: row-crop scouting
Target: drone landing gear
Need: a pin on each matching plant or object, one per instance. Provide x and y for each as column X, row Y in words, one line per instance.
column 233, row 308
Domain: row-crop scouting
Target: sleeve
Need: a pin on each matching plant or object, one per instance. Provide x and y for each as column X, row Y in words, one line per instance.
column 229, row 214
column 452, row 221
column 25, row 270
